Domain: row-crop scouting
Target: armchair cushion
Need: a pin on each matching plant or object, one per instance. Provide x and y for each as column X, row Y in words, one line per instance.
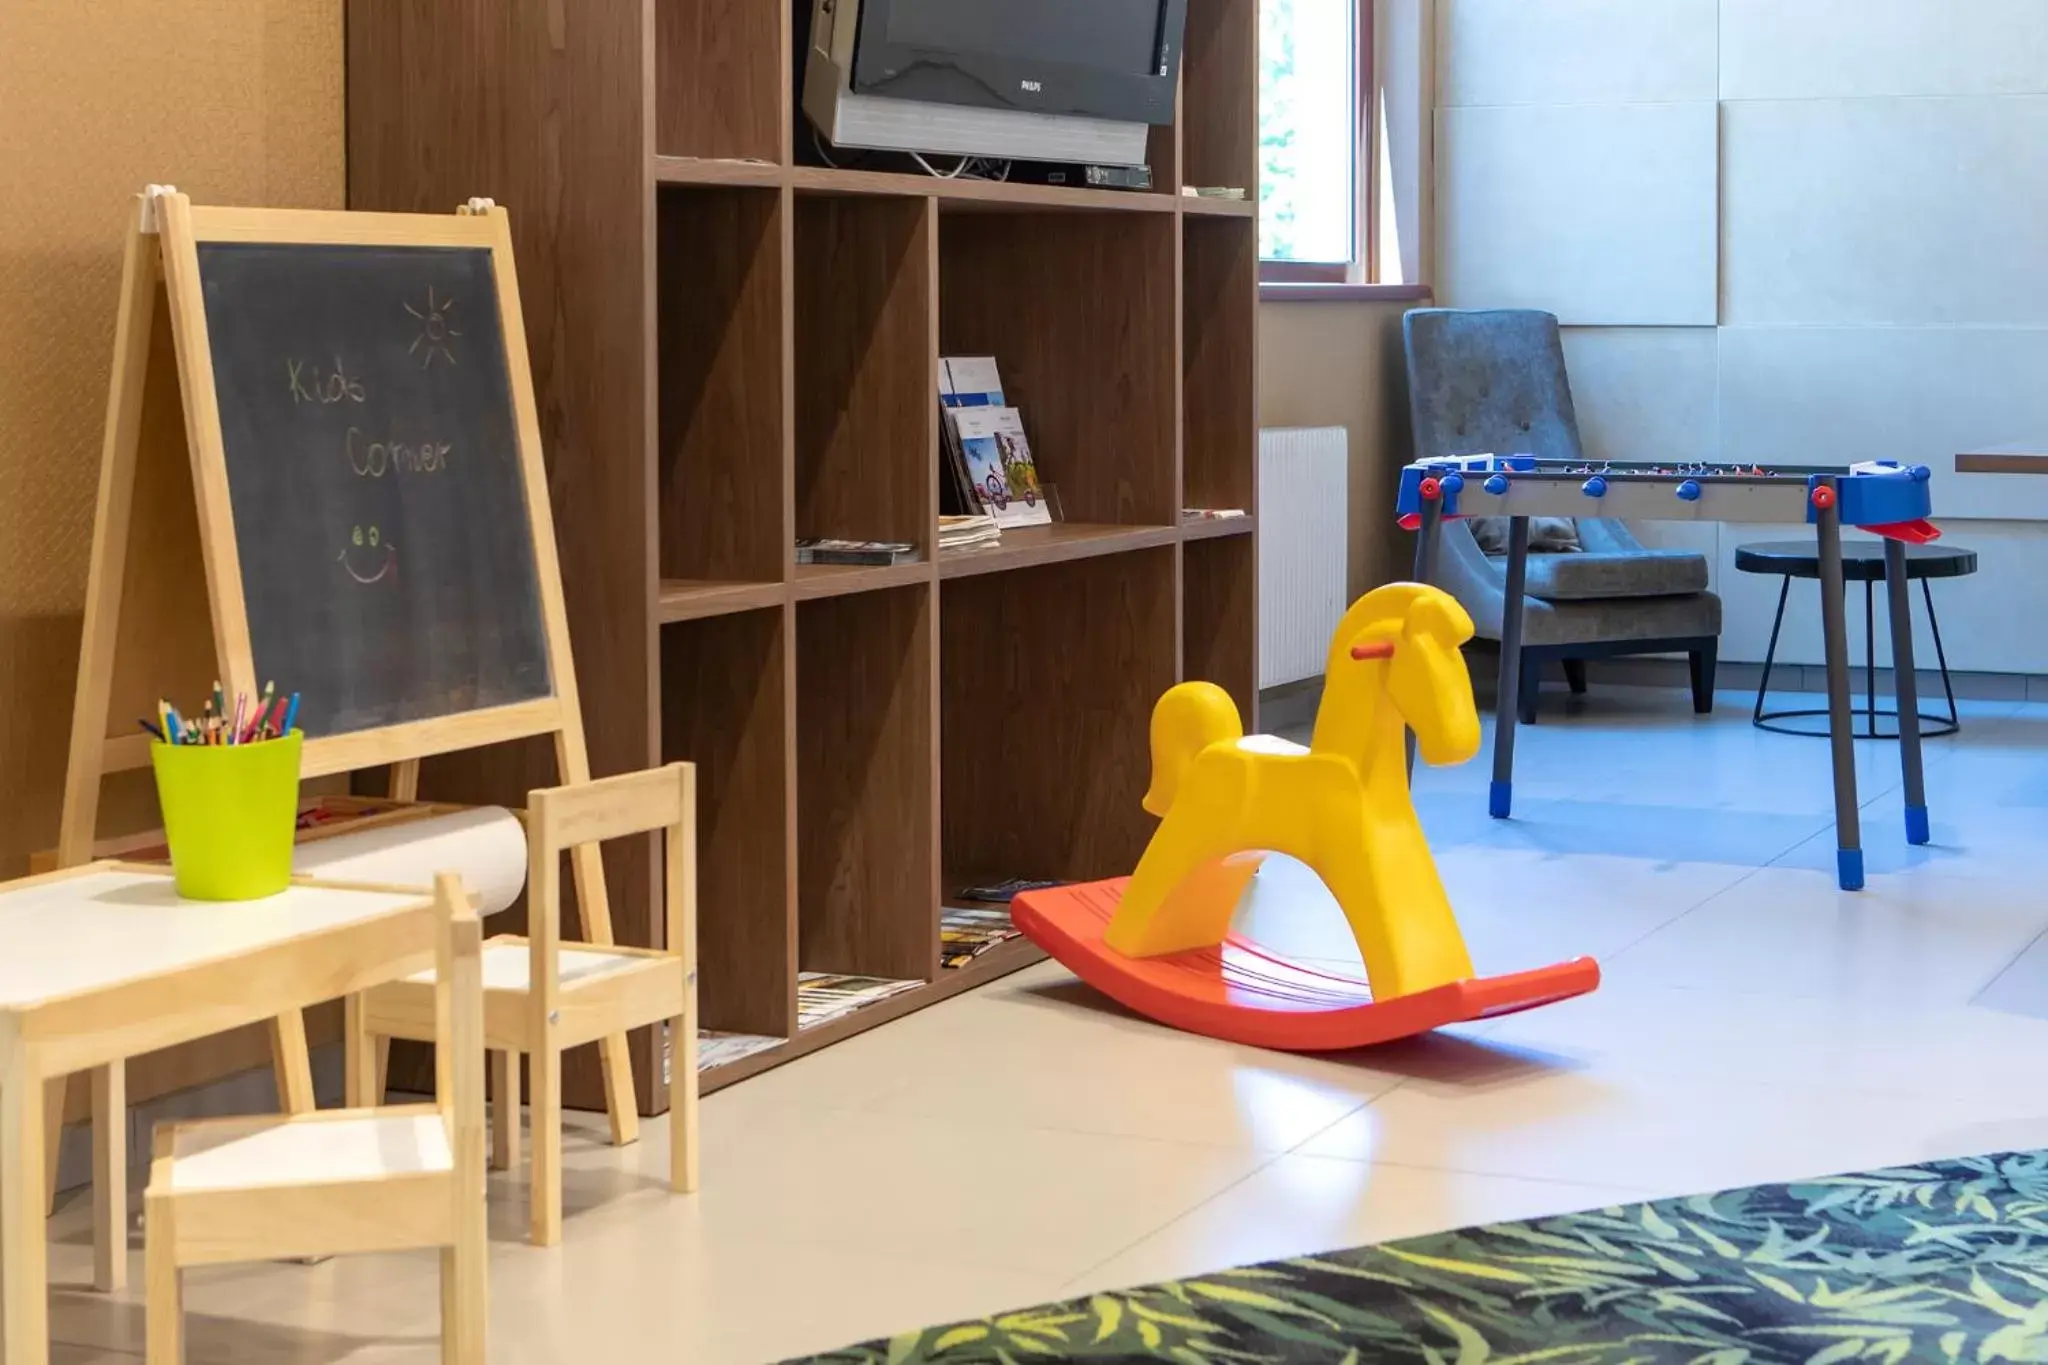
column 1547, row 535
column 1628, row 573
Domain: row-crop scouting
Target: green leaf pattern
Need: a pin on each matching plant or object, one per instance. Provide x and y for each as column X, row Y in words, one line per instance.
column 1942, row 1262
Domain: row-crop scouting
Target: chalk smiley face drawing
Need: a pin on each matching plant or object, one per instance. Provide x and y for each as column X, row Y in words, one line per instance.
column 368, row 547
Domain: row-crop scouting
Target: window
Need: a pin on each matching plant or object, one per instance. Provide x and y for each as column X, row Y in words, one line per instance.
column 1313, row 148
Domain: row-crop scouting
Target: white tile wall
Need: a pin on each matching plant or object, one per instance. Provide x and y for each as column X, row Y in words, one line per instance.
column 1821, row 395
column 1799, row 49
column 1602, row 214
column 1645, row 393
column 1575, row 51
column 1896, row 212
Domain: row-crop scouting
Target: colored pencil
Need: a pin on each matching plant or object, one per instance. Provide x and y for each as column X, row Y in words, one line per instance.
column 151, row 729
column 291, row 716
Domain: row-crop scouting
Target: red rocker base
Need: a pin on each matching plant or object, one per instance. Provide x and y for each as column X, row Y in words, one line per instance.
column 1241, row 993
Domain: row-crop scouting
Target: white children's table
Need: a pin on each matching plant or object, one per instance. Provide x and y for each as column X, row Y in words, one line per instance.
column 102, row 963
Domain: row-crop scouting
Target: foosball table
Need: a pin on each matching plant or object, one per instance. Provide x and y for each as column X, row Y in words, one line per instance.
column 1887, row 499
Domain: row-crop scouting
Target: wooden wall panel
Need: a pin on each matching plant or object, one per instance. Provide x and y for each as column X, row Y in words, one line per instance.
column 493, row 82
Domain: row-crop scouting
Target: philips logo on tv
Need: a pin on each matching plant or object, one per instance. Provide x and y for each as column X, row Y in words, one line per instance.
column 1035, row 87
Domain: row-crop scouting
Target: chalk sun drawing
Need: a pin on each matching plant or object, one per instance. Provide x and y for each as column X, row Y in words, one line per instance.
column 435, row 331
column 385, row 564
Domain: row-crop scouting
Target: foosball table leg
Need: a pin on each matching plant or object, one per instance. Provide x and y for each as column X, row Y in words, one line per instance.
column 1906, row 690
column 1500, row 798
column 1427, row 539
column 1841, row 718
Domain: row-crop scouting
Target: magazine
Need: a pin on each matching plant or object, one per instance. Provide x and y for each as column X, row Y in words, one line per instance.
column 970, row 382
column 967, row 533
column 966, row 932
column 1003, row 892
column 822, row 997
column 723, row 1049
column 1000, row 471
column 964, row 382
column 830, row 550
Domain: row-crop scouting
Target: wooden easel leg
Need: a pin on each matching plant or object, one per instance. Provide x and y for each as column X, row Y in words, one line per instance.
column 90, row 721
column 593, row 909
column 622, row 1106
column 290, row 1064
column 405, row 780
column 110, row 1177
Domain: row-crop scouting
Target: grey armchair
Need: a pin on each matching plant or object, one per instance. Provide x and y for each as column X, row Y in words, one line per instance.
column 1494, row 382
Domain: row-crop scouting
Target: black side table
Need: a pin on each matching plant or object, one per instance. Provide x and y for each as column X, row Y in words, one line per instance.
column 1862, row 562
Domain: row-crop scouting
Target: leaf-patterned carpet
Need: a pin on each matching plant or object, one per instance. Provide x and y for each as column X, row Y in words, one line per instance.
column 1941, row 1262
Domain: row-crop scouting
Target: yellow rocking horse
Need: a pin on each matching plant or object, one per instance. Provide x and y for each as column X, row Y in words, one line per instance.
column 1160, row 941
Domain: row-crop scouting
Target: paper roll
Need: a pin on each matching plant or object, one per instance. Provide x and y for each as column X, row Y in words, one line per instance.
column 486, row 847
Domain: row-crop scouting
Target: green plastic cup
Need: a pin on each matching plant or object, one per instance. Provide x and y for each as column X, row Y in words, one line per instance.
column 230, row 814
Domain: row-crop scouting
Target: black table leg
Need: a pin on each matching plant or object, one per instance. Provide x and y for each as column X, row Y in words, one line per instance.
column 1906, row 690
column 1955, row 717
column 1841, row 715
column 1763, row 687
column 1427, row 537
column 1500, row 797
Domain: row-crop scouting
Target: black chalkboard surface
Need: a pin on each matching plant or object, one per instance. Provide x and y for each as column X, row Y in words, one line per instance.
column 379, row 502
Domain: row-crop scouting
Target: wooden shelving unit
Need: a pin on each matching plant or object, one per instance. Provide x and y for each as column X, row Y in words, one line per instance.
column 734, row 349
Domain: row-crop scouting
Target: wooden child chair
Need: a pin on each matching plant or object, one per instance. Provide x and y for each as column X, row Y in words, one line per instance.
column 340, row 1181
column 541, row 997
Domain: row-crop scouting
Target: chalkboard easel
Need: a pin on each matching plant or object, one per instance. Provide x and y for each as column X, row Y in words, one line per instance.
column 322, row 467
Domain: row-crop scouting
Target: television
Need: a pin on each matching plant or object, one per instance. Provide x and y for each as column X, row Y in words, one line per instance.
column 1045, row 80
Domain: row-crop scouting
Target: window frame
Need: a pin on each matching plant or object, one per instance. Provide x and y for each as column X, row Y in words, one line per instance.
column 1361, row 268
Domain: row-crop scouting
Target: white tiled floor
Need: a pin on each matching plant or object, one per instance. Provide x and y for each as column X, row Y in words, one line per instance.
column 1028, row 1141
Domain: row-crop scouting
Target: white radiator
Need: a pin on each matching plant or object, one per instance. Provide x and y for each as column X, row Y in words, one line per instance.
column 1303, row 532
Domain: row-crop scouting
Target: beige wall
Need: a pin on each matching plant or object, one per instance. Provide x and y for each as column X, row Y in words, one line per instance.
column 233, row 101
column 1340, row 364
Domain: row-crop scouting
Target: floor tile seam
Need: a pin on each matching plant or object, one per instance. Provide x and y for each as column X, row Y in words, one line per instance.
column 1399, row 1084
column 1989, row 981
column 1711, row 897
column 1639, row 1191
column 1078, row 1277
